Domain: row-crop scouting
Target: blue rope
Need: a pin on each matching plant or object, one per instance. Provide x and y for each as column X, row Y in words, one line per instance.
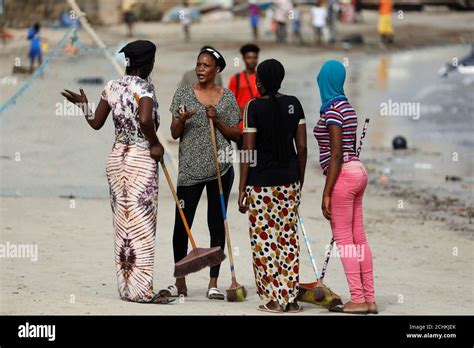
column 81, row 45
column 36, row 74
column 40, row 70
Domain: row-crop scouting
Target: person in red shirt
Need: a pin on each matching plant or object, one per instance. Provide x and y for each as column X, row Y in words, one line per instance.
column 244, row 83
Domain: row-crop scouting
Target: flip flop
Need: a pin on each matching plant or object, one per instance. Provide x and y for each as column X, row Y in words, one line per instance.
column 341, row 309
column 215, row 294
column 264, row 308
column 299, row 309
column 373, row 311
column 160, row 299
column 172, row 291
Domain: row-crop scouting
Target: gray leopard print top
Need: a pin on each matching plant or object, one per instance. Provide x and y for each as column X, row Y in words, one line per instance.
column 196, row 158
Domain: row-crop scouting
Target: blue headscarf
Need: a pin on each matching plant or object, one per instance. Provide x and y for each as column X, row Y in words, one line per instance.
column 330, row 80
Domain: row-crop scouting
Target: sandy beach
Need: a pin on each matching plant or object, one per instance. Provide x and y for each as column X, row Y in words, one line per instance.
column 54, row 193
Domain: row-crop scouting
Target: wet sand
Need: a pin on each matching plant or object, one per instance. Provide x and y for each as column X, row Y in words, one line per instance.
column 423, row 248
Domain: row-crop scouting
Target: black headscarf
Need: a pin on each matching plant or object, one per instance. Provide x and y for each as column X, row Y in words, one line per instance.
column 270, row 74
column 219, row 58
column 139, row 53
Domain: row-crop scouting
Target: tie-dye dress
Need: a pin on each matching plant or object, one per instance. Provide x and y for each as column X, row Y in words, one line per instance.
column 133, row 181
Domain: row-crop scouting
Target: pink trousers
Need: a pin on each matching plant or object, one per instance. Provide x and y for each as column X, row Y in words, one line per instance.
column 347, row 226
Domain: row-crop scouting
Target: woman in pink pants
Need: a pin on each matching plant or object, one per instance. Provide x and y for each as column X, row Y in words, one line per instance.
column 346, row 180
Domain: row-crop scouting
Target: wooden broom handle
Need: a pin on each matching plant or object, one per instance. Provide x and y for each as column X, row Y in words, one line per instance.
column 175, row 196
column 221, row 192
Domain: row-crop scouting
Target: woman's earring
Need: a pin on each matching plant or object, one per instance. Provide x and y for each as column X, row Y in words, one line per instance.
column 259, row 84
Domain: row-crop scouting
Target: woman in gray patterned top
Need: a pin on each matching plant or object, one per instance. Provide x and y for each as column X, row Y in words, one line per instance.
column 192, row 107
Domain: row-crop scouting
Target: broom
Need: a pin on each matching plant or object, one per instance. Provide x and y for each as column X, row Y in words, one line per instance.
column 236, row 292
column 316, row 293
column 331, row 244
column 328, row 256
column 198, row 258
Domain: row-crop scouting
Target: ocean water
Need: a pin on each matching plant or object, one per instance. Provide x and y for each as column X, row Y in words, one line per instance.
column 46, row 154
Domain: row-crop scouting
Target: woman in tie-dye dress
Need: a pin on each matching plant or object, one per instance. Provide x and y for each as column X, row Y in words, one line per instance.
column 132, row 169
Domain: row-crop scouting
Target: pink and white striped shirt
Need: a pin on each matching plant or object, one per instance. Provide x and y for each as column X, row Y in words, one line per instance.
column 342, row 114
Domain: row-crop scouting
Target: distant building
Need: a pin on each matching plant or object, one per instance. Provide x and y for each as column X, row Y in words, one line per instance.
column 21, row 13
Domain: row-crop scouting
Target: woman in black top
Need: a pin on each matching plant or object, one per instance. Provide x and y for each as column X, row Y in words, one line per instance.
column 270, row 191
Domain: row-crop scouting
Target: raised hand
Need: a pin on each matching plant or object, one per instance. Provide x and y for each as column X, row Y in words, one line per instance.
column 77, row 99
column 185, row 115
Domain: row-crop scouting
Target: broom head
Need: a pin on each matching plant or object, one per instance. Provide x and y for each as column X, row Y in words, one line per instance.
column 198, row 259
column 318, row 295
column 236, row 292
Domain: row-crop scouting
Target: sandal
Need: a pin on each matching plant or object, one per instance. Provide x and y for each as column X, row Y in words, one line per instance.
column 172, row 291
column 373, row 309
column 215, row 294
column 161, row 299
column 296, row 310
column 341, row 309
column 265, row 308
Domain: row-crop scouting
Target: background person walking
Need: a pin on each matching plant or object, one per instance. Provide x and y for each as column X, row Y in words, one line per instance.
column 318, row 21
column 244, row 83
column 385, row 27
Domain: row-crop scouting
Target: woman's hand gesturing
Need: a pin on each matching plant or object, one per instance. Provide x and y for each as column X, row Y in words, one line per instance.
column 77, row 99
column 185, row 115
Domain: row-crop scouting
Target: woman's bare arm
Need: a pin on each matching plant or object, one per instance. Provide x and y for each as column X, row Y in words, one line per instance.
column 335, row 164
column 229, row 132
column 177, row 123
column 147, row 126
column 302, row 150
column 145, row 118
column 249, row 144
column 97, row 118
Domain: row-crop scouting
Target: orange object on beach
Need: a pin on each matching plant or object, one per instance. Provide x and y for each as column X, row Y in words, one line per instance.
column 386, row 7
column 6, row 35
column 71, row 50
